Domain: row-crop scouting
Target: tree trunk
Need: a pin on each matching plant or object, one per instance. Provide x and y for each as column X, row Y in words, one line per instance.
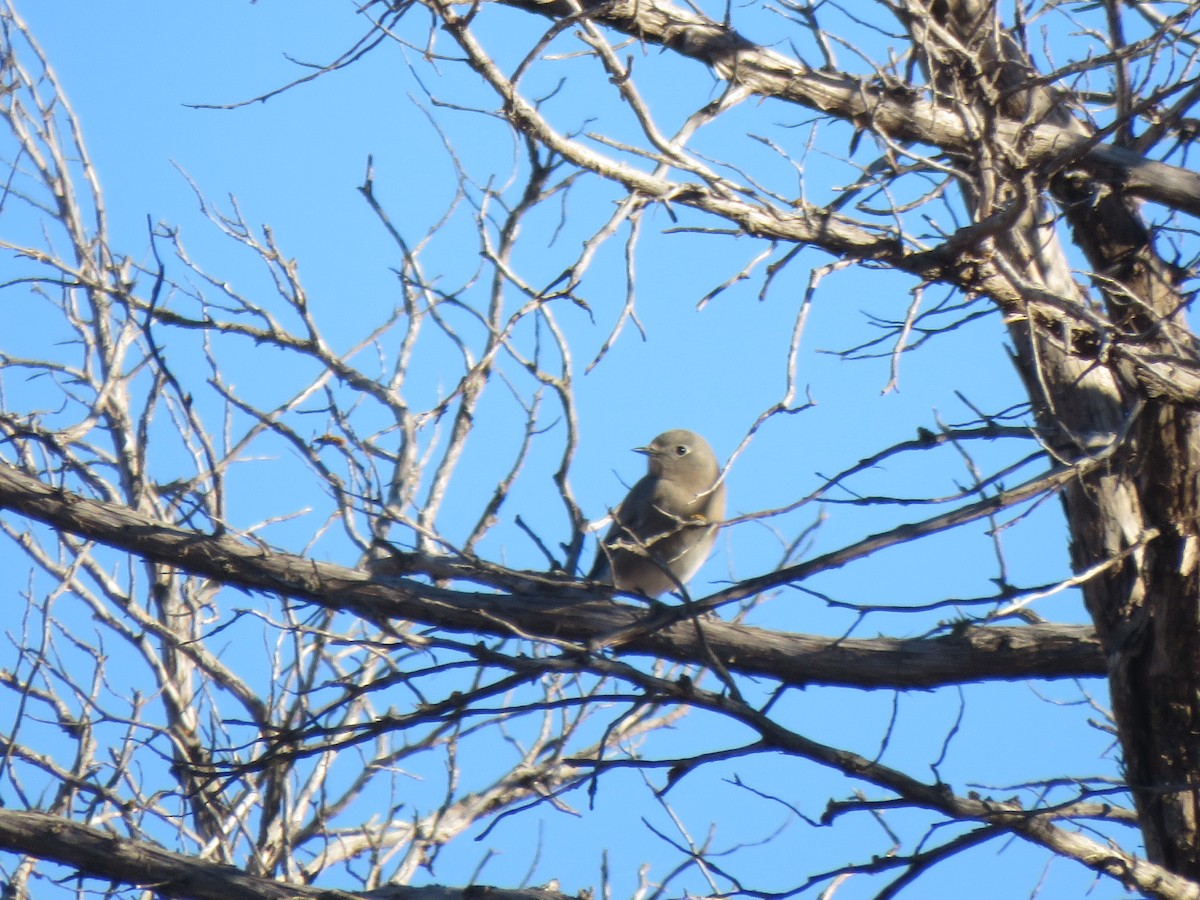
column 1146, row 606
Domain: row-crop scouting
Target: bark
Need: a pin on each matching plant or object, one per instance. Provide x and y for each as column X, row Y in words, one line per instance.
column 1146, row 608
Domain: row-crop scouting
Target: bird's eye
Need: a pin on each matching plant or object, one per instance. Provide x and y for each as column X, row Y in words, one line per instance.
column 681, row 450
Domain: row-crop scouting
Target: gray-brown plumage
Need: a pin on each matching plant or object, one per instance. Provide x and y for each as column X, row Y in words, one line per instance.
column 667, row 523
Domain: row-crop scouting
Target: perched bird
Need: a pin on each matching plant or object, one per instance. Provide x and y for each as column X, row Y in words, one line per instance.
column 664, row 529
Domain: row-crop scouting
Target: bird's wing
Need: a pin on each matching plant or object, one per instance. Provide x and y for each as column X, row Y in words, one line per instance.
column 635, row 508
column 630, row 516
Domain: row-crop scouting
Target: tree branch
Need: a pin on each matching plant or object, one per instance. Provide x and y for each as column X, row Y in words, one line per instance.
column 558, row 609
column 893, row 110
column 107, row 855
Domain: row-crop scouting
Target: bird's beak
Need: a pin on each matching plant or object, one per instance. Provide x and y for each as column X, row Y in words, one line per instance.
column 647, row 451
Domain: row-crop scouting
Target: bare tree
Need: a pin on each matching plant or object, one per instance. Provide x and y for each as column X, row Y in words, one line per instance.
column 205, row 694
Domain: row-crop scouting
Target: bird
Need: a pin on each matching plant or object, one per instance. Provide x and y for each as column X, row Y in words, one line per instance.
column 665, row 527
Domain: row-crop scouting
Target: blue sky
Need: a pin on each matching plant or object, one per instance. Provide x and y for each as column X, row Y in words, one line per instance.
column 131, row 69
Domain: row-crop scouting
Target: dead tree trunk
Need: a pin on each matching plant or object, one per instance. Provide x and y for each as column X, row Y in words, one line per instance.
column 1146, row 606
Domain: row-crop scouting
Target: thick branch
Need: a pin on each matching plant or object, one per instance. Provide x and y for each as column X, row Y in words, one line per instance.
column 100, row 854
column 561, row 610
column 892, row 110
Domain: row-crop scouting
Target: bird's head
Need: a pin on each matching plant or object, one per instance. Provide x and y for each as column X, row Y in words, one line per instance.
column 684, row 456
